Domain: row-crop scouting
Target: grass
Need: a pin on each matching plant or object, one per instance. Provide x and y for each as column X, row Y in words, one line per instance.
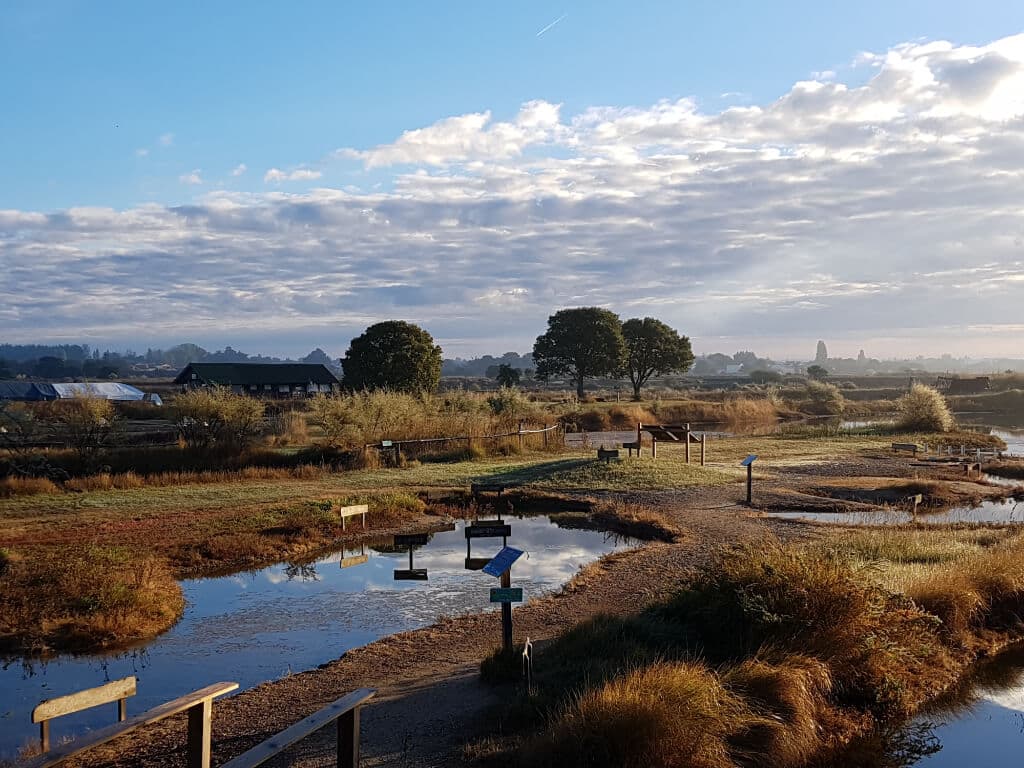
column 80, row 596
column 776, row 655
column 59, row 593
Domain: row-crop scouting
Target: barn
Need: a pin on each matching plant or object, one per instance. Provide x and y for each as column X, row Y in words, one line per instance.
column 274, row 380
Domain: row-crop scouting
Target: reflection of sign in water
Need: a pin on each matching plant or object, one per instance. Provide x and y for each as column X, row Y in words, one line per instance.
column 348, row 562
column 412, row 574
column 488, row 530
column 502, row 561
column 506, row 594
column 412, row 539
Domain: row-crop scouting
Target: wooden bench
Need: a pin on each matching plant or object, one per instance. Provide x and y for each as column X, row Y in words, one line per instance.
column 198, row 704
column 347, row 512
column 607, row 454
column 344, row 711
column 912, row 447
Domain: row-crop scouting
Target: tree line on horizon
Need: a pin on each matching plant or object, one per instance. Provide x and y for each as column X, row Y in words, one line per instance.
column 579, row 344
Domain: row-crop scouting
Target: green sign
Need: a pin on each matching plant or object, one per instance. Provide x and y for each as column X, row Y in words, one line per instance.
column 506, row 594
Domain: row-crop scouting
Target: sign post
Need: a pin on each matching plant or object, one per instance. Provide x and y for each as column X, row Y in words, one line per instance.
column 749, row 464
column 500, row 566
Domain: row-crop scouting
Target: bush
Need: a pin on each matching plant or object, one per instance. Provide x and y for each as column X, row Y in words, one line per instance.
column 924, row 409
column 824, row 399
column 217, row 416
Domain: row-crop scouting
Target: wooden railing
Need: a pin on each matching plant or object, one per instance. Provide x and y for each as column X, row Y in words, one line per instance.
column 344, row 711
column 115, row 690
column 198, row 704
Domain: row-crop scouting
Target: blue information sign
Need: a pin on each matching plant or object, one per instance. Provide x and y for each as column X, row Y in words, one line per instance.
column 502, row 561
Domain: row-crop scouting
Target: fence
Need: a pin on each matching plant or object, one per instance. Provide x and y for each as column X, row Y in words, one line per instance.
column 521, row 435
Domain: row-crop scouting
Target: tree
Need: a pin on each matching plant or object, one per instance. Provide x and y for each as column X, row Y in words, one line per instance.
column 581, row 343
column 817, row 372
column 217, row 416
column 508, row 376
column 86, row 424
column 652, row 348
column 392, row 355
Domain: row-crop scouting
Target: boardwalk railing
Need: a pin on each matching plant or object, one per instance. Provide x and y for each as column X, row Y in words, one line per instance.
column 198, row 704
column 344, row 711
column 521, row 434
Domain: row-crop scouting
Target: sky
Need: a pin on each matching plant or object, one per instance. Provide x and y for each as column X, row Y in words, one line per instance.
column 276, row 177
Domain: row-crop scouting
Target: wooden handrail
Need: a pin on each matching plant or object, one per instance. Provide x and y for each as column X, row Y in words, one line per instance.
column 198, row 704
column 345, row 711
column 115, row 690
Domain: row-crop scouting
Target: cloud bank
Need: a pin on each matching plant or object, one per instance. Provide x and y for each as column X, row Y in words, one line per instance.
column 886, row 207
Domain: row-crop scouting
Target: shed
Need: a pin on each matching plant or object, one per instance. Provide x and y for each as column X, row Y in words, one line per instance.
column 261, row 379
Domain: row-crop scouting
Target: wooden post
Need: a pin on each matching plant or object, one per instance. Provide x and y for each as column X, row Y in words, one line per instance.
column 44, row 736
column 348, row 739
column 520, row 435
column 545, row 434
column 639, row 445
column 122, row 710
column 703, row 449
column 506, row 613
column 750, row 484
column 654, row 447
column 687, row 443
column 200, row 722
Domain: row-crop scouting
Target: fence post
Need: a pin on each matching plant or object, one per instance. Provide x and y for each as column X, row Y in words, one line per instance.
column 520, row 435
column 348, row 739
column 703, row 449
column 200, row 717
column 687, row 443
column 545, row 434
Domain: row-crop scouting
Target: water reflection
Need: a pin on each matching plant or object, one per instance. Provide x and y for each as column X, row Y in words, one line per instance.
column 264, row 624
column 979, row 723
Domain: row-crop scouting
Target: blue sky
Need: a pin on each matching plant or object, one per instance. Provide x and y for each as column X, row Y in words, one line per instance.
column 138, row 112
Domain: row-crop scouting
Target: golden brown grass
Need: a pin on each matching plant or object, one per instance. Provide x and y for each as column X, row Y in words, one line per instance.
column 78, row 597
column 676, row 715
column 18, row 486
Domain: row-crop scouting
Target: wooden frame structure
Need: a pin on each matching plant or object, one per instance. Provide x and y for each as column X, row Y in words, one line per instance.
column 668, row 433
column 344, row 711
column 198, row 705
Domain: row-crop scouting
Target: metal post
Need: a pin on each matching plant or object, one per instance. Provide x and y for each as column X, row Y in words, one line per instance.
column 750, row 484
column 506, row 613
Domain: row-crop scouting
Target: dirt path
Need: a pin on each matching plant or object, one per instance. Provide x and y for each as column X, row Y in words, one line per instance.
column 430, row 701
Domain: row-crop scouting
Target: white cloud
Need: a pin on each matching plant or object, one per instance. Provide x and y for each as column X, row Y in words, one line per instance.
column 192, row 177
column 301, row 174
column 885, row 209
column 141, row 152
column 166, row 140
column 239, row 169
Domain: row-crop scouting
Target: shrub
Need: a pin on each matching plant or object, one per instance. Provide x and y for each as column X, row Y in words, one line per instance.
column 217, row 416
column 86, row 423
column 924, row 409
column 824, row 399
column 288, row 428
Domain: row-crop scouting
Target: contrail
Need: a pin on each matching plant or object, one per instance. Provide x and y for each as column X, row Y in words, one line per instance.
column 549, row 26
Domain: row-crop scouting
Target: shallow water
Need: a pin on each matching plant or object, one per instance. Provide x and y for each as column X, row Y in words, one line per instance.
column 259, row 626
column 980, row 724
column 1006, row 511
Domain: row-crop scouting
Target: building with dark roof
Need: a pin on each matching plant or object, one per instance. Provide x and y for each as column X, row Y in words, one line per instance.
column 274, row 380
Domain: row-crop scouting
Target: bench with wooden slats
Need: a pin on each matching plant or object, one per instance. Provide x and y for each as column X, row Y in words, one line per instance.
column 198, row 704
column 344, row 711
